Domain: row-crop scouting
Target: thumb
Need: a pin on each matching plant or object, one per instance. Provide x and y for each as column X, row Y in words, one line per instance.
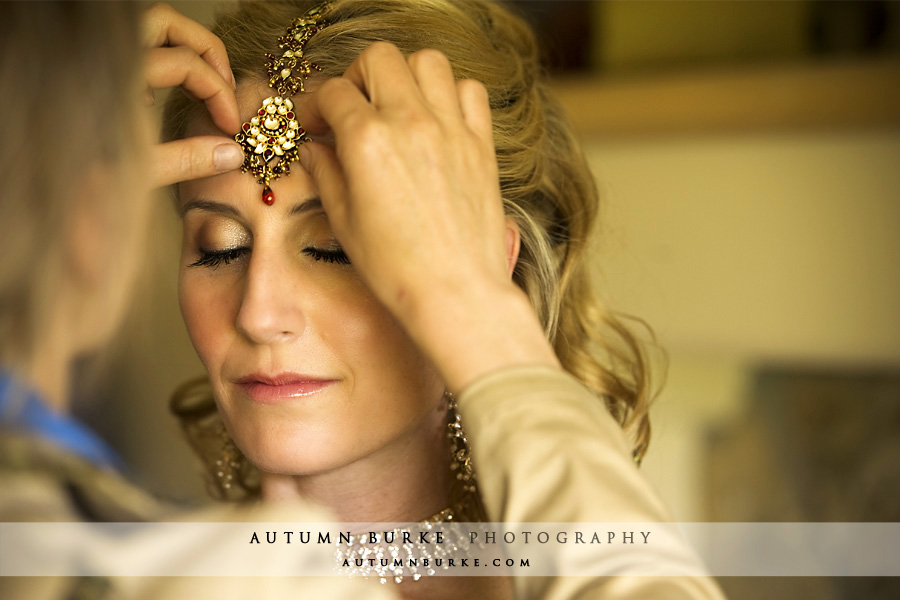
column 193, row 158
column 322, row 164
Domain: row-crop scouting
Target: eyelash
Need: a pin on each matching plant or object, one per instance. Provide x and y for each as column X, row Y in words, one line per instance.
column 213, row 259
column 330, row 256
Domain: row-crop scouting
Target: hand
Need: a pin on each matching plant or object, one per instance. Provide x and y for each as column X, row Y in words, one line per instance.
column 412, row 192
column 181, row 52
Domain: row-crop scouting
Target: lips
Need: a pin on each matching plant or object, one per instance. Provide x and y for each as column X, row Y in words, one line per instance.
column 273, row 389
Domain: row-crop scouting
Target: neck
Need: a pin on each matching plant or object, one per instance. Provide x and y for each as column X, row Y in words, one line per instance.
column 49, row 380
column 407, row 481
column 47, row 370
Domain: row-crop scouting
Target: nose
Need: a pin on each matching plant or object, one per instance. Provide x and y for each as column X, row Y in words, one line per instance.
column 270, row 310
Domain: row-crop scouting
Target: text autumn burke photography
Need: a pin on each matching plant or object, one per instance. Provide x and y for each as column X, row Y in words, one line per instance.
column 450, row 549
column 475, row 538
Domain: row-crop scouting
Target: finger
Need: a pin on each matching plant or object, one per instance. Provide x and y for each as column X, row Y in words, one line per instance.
column 476, row 109
column 382, row 74
column 337, row 105
column 193, row 158
column 168, row 67
column 379, row 77
column 164, row 26
column 323, row 166
column 434, row 76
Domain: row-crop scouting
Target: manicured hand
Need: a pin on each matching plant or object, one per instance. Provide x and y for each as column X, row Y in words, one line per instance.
column 181, row 52
column 412, row 192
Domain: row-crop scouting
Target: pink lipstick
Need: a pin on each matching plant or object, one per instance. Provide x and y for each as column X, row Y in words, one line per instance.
column 273, row 389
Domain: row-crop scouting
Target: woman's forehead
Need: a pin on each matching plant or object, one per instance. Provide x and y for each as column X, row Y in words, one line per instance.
column 250, row 96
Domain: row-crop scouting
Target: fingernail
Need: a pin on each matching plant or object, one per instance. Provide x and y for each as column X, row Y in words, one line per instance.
column 227, row 157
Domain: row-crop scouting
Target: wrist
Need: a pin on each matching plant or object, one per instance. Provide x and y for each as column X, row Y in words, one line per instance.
column 472, row 330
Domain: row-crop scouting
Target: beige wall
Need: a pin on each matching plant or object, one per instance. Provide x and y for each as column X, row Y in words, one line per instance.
column 778, row 246
column 742, row 250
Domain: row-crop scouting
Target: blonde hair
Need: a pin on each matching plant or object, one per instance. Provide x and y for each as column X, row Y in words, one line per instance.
column 69, row 73
column 545, row 181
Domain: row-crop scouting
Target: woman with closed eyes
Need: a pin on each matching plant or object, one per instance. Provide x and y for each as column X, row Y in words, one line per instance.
column 427, row 248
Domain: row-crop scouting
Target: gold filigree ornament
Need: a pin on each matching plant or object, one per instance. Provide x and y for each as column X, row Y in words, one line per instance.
column 270, row 138
column 270, row 141
column 287, row 72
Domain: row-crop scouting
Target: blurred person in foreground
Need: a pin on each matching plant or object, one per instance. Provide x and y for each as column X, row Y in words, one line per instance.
column 74, row 197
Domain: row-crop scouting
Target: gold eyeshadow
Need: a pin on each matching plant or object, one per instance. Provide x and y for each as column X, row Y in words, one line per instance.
column 221, row 232
column 215, row 232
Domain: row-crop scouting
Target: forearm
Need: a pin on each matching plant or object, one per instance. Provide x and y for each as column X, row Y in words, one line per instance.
column 546, row 450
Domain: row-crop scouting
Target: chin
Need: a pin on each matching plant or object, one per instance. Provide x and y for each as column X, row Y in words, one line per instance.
column 293, row 456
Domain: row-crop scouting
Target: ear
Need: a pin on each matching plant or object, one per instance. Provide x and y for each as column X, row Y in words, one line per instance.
column 513, row 243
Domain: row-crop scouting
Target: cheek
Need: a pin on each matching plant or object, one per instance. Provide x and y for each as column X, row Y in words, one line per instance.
column 207, row 309
column 365, row 333
column 387, row 368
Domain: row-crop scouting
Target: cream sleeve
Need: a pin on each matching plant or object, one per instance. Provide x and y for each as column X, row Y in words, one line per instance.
column 546, row 450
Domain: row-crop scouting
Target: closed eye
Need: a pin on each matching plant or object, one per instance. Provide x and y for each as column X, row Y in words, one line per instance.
column 214, row 258
column 330, row 256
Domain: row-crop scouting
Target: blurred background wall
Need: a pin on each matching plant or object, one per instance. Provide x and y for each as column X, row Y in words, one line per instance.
column 747, row 155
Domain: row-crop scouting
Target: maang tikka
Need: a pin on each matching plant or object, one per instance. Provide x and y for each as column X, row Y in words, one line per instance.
column 270, row 139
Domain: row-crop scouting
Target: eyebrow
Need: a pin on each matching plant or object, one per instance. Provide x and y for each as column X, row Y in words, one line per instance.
column 209, row 206
column 306, row 206
column 222, row 208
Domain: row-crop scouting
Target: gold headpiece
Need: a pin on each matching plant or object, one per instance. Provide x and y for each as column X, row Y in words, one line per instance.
column 270, row 138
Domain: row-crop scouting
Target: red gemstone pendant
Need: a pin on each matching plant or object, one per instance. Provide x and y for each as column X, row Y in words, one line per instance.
column 268, row 196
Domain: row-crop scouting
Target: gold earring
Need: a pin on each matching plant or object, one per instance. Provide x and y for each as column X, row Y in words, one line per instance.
column 228, row 465
column 465, row 499
column 460, row 459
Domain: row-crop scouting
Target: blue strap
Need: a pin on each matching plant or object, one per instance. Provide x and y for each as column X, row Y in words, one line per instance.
column 23, row 410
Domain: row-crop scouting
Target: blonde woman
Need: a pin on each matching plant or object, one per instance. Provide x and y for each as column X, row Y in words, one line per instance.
column 432, row 245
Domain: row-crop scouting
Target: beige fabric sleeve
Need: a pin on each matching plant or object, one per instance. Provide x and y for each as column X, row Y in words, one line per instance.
column 546, row 450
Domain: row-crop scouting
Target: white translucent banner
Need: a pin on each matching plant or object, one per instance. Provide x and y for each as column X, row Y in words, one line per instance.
column 449, row 549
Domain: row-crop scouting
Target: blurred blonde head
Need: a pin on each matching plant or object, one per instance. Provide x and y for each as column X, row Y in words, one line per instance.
column 72, row 195
column 547, row 187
